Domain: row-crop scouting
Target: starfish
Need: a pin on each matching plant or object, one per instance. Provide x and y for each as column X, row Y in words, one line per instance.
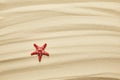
column 40, row 51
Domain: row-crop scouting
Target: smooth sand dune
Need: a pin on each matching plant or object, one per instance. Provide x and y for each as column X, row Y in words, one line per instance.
column 83, row 38
column 92, row 78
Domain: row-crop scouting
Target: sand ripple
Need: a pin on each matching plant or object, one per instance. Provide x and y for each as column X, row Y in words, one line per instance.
column 83, row 39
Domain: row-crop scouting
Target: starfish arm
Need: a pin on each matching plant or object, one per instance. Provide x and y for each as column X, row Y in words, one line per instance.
column 46, row 53
column 39, row 57
column 44, row 46
column 34, row 53
column 36, row 46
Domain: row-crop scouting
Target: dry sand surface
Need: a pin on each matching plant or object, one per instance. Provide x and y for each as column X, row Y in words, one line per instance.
column 83, row 38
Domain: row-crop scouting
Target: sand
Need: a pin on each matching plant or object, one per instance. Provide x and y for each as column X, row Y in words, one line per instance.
column 83, row 38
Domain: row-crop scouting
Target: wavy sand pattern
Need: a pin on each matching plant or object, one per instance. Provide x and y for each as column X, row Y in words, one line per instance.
column 83, row 39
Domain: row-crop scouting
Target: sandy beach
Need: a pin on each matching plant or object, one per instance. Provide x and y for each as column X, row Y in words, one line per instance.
column 83, row 38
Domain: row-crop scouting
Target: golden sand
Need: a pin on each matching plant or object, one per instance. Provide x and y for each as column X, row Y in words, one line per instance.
column 83, row 38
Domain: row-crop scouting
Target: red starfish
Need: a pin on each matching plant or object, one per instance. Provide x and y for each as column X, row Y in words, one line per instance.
column 40, row 51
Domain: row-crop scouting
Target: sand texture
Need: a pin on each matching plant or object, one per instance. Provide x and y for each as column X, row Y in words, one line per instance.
column 83, row 38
